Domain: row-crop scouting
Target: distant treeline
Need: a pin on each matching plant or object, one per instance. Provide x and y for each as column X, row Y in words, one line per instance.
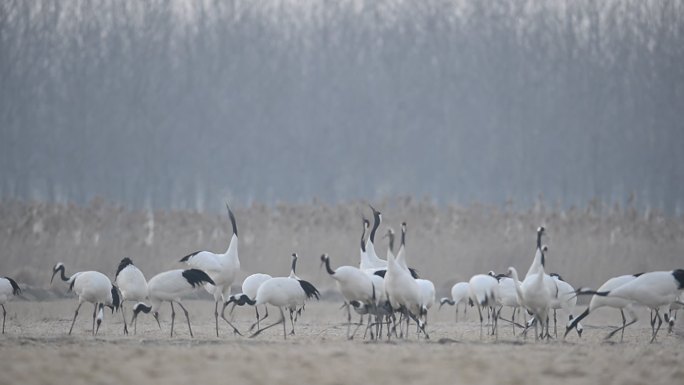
column 180, row 104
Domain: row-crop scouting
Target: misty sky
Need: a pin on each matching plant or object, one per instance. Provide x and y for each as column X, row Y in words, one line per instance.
column 187, row 104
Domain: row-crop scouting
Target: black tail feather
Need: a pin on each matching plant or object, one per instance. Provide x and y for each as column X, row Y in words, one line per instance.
column 116, row 300
column 187, row 257
column 414, row 273
column 309, row 289
column 196, row 277
column 15, row 287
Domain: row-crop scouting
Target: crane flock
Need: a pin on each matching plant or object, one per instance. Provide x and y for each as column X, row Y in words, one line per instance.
column 387, row 291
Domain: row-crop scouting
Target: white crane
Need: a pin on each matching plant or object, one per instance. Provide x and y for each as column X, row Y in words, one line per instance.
column 614, row 302
column 250, row 286
column 133, row 286
column 508, row 297
column 284, row 292
column 8, row 288
column 483, row 290
column 425, row 286
column 534, row 296
column 90, row 286
column 459, row 295
column 373, row 261
column 400, row 258
column 171, row 286
column 354, row 285
column 654, row 290
column 222, row 268
column 381, row 309
column 365, row 263
column 404, row 292
column 427, row 296
column 565, row 298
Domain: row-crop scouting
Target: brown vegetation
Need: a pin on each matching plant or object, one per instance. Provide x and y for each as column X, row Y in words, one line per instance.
column 446, row 244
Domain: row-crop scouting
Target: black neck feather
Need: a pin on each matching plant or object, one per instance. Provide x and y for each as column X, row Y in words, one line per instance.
column 376, row 224
column 232, row 220
column 330, row 271
column 294, row 265
column 61, row 270
column 679, row 277
column 124, row 262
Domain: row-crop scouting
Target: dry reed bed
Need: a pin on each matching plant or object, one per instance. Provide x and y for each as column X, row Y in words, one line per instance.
column 445, row 243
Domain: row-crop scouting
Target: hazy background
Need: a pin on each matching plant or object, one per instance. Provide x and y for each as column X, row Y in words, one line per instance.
column 182, row 104
column 125, row 125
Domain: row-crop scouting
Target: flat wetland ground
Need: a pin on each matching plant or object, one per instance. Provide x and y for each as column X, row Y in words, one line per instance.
column 37, row 350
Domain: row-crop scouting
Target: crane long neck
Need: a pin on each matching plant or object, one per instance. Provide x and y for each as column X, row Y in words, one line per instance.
column 233, row 245
column 142, row 308
column 539, row 237
column 327, row 266
column 518, row 288
column 61, row 273
column 363, row 236
column 376, row 224
column 233, row 222
column 293, row 268
column 391, row 241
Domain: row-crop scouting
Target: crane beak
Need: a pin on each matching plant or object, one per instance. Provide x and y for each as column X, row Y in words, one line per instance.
column 54, row 272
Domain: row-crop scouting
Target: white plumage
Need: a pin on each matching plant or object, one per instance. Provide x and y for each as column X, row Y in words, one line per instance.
column 483, row 290
column 403, row 292
column 171, row 286
column 250, row 287
column 90, row 286
column 289, row 292
column 534, row 296
column 222, row 268
column 459, row 295
column 538, row 261
column 655, row 290
column 8, row 289
column 372, row 261
column 354, row 285
column 564, row 298
column 427, row 294
column 614, row 302
column 132, row 285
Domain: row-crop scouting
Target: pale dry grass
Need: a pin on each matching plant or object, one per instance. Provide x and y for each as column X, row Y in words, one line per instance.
column 446, row 244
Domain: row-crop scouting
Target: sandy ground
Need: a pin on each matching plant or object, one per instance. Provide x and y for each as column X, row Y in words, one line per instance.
column 37, row 350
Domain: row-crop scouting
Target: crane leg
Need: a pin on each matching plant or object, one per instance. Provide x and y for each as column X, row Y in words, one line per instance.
column 282, row 320
column 123, row 314
column 173, row 316
column 75, row 315
column 187, row 317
